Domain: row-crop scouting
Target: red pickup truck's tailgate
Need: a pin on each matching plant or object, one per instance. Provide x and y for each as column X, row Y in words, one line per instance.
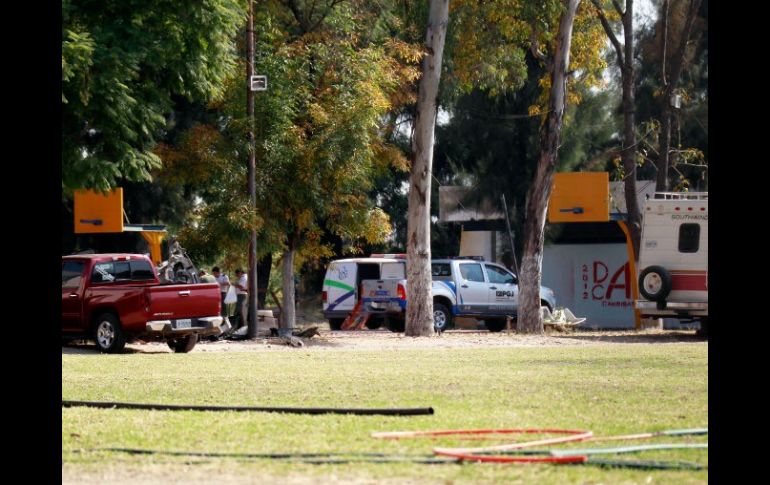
column 184, row 301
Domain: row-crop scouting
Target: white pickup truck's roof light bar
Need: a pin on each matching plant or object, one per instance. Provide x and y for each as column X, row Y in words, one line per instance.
column 392, row 256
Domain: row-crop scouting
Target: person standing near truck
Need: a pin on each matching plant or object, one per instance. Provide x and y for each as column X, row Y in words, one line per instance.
column 224, row 285
column 241, row 291
column 205, row 277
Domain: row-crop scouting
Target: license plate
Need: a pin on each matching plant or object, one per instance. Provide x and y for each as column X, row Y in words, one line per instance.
column 184, row 323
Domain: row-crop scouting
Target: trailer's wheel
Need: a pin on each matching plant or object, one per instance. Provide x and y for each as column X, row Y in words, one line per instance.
column 396, row 324
column 495, row 324
column 184, row 344
column 704, row 328
column 336, row 323
column 108, row 334
column 655, row 283
column 442, row 317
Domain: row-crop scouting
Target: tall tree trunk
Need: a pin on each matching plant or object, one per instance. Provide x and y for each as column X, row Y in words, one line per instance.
column 263, row 269
column 288, row 316
column 625, row 56
column 628, row 152
column 669, row 88
column 419, row 310
column 540, row 190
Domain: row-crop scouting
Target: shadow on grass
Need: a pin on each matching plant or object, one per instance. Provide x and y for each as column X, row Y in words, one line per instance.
column 84, row 348
column 631, row 337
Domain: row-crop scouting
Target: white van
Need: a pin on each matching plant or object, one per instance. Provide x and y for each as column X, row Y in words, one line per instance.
column 673, row 257
column 342, row 283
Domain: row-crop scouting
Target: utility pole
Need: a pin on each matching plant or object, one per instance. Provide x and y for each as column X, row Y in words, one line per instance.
column 252, row 297
column 510, row 237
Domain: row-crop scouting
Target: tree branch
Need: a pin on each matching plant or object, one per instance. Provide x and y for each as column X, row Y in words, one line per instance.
column 609, row 32
column 535, row 48
column 676, row 70
column 295, row 10
column 664, row 44
column 329, row 7
column 618, row 8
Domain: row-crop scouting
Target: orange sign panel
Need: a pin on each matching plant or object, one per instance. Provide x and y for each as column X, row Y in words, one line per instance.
column 580, row 197
column 95, row 212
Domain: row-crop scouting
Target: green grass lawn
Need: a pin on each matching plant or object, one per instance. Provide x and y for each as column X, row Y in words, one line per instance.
column 609, row 389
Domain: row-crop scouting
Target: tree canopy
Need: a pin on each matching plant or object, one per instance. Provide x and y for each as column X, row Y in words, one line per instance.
column 122, row 63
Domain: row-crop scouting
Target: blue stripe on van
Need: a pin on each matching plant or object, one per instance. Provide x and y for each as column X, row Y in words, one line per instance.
column 339, row 300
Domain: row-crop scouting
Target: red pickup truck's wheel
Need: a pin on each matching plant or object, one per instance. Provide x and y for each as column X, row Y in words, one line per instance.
column 108, row 334
column 184, row 344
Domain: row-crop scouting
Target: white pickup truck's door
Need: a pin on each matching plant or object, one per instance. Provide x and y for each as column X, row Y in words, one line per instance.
column 472, row 291
column 503, row 290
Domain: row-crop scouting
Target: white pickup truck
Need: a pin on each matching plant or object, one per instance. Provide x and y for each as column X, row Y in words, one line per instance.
column 461, row 288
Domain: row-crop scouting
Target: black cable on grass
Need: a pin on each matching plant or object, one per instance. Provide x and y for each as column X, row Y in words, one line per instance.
column 646, row 464
column 310, row 458
column 342, row 458
column 189, row 407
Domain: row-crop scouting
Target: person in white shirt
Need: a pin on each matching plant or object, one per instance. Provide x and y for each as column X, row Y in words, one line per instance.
column 224, row 285
column 241, row 291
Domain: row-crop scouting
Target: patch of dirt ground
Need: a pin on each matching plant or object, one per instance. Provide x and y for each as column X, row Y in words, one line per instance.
column 383, row 339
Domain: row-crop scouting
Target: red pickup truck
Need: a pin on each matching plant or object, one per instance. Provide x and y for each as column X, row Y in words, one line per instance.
column 115, row 298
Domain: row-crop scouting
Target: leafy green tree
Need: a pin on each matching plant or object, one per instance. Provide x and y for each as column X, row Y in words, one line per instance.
column 122, row 64
column 318, row 128
column 627, row 66
column 688, row 125
column 487, row 43
column 538, row 194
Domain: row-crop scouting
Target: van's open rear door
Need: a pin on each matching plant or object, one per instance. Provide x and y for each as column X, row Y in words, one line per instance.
column 340, row 285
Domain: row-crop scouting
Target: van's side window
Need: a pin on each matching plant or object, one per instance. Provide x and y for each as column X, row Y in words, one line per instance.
column 689, row 238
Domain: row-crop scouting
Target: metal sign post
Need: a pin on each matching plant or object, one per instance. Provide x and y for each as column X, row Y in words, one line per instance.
column 256, row 83
column 510, row 237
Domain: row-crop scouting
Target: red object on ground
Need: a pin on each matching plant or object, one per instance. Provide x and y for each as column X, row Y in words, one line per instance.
column 570, row 435
column 356, row 319
column 513, row 459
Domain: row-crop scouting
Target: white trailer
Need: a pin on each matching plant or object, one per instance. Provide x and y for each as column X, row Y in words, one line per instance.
column 673, row 257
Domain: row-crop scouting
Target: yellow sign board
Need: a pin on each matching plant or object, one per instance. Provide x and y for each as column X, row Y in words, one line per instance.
column 580, row 197
column 97, row 213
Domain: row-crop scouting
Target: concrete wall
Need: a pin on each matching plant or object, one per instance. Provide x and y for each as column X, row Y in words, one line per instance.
column 592, row 280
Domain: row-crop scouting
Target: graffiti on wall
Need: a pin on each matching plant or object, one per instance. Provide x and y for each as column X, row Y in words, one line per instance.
column 601, row 282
